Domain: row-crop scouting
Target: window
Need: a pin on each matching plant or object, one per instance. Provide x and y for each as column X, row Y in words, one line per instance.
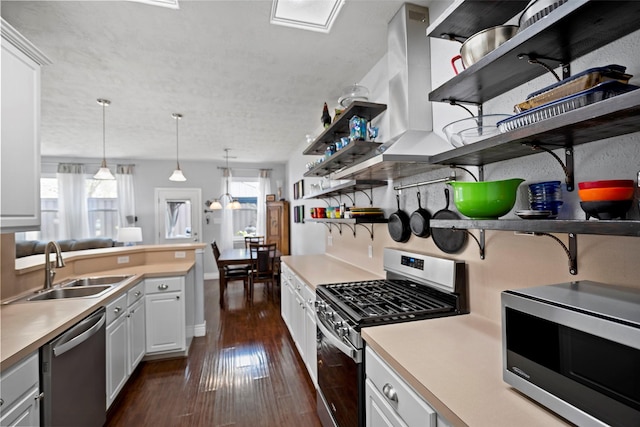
column 245, row 190
column 102, row 201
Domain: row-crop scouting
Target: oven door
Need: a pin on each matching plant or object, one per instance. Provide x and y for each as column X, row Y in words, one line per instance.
column 340, row 380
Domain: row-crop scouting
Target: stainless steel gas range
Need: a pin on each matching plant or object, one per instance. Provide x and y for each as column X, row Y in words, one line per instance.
column 417, row 287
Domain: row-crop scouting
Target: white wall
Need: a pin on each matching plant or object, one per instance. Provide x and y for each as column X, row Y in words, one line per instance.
column 151, row 174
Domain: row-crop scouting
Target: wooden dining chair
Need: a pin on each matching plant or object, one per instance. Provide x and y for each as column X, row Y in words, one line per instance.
column 233, row 272
column 263, row 266
column 253, row 239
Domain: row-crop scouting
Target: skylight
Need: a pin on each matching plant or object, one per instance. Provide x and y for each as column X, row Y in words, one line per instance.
column 312, row 15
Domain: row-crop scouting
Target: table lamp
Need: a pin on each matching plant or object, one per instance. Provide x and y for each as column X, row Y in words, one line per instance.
column 129, row 235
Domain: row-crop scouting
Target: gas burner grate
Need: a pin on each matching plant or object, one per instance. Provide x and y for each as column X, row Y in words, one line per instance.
column 386, row 301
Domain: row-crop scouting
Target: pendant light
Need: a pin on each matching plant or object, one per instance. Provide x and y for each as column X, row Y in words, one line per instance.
column 232, row 204
column 177, row 174
column 103, row 172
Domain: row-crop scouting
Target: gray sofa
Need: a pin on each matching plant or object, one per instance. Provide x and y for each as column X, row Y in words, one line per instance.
column 34, row 247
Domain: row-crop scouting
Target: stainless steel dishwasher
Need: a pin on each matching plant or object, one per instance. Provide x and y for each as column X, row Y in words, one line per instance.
column 73, row 375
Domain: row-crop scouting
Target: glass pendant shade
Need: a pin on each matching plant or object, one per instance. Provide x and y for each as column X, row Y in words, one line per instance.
column 177, row 175
column 104, row 172
column 215, row 205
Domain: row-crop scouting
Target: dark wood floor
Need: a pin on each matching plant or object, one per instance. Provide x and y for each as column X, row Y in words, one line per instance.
column 244, row 372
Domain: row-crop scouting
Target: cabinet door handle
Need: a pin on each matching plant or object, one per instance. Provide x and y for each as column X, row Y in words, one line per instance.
column 163, row 287
column 117, row 310
column 138, row 293
column 177, row 296
column 1, row 401
column 39, row 396
column 390, row 393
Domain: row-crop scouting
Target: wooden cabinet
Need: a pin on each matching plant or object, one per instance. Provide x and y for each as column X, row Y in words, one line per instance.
column 278, row 225
column 20, row 159
column 165, row 314
column 20, row 393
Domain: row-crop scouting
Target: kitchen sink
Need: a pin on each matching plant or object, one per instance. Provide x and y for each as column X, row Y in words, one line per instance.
column 96, row 281
column 72, row 292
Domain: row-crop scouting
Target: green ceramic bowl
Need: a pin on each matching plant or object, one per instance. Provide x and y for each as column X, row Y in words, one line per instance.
column 486, row 199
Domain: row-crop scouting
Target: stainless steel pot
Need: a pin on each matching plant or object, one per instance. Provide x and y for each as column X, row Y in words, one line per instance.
column 485, row 41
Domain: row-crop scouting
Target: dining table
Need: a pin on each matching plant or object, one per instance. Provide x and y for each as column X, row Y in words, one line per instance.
column 228, row 257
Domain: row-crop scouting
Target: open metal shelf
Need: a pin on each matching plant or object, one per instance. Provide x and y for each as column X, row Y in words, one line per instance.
column 574, row 29
column 347, row 156
column 340, row 127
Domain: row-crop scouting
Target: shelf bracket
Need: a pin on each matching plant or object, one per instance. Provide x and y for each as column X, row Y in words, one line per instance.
column 353, row 203
column 353, row 229
column 370, row 230
column 567, row 165
column 480, row 242
column 571, row 251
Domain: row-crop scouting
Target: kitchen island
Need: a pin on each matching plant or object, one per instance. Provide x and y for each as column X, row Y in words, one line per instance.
column 25, row 326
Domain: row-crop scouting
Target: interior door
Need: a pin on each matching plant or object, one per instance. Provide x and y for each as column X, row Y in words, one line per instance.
column 178, row 215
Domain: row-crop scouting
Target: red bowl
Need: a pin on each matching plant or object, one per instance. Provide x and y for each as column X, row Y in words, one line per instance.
column 606, row 183
column 606, row 194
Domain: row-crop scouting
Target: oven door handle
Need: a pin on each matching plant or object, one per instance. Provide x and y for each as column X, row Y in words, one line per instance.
column 345, row 347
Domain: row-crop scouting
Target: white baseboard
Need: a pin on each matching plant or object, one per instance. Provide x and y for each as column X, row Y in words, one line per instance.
column 200, row 330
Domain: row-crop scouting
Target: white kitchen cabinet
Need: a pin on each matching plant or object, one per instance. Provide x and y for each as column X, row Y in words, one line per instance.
column 390, row 401
column 20, row 154
column 298, row 312
column 20, row 393
column 165, row 314
column 117, row 347
column 136, row 326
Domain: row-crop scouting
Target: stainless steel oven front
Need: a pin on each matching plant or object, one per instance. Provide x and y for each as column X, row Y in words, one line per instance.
column 340, row 369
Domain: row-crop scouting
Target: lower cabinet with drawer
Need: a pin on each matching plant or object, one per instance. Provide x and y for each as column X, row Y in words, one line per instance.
column 165, row 314
column 20, row 393
column 125, row 338
column 390, row 401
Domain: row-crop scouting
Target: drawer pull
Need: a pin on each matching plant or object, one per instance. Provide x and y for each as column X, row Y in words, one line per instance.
column 138, row 293
column 39, row 396
column 1, row 401
column 390, row 393
column 163, row 287
column 117, row 310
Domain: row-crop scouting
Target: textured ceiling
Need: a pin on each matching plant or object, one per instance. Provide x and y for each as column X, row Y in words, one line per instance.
column 239, row 81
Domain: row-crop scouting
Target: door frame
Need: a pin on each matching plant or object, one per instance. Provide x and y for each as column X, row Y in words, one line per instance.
column 193, row 194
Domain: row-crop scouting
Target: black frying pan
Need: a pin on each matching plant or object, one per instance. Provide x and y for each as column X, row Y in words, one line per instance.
column 448, row 240
column 399, row 229
column 419, row 221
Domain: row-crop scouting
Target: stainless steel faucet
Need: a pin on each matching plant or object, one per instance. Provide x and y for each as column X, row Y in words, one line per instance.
column 49, row 273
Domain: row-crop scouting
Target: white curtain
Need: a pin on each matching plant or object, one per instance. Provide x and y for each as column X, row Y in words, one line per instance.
column 126, row 196
column 226, row 228
column 264, row 188
column 73, row 212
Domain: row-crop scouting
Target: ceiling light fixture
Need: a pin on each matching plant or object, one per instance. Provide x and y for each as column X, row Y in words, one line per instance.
column 310, row 15
column 177, row 174
column 171, row 4
column 103, row 172
column 216, row 204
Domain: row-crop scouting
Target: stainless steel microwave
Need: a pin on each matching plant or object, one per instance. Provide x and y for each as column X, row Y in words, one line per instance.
column 575, row 348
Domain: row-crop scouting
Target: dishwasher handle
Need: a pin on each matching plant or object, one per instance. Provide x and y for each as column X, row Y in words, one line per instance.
column 79, row 333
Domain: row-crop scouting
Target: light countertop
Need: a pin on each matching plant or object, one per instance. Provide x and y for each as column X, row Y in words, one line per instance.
column 25, row 326
column 320, row 269
column 455, row 364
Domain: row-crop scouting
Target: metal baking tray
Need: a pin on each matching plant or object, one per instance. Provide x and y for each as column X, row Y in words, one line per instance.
column 574, row 84
column 601, row 91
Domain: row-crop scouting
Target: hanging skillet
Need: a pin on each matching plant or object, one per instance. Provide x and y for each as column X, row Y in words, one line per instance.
column 448, row 240
column 419, row 221
column 399, row 229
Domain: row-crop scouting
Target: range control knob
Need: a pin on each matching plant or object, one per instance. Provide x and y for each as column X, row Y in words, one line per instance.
column 342, row 331
column 337, row 325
